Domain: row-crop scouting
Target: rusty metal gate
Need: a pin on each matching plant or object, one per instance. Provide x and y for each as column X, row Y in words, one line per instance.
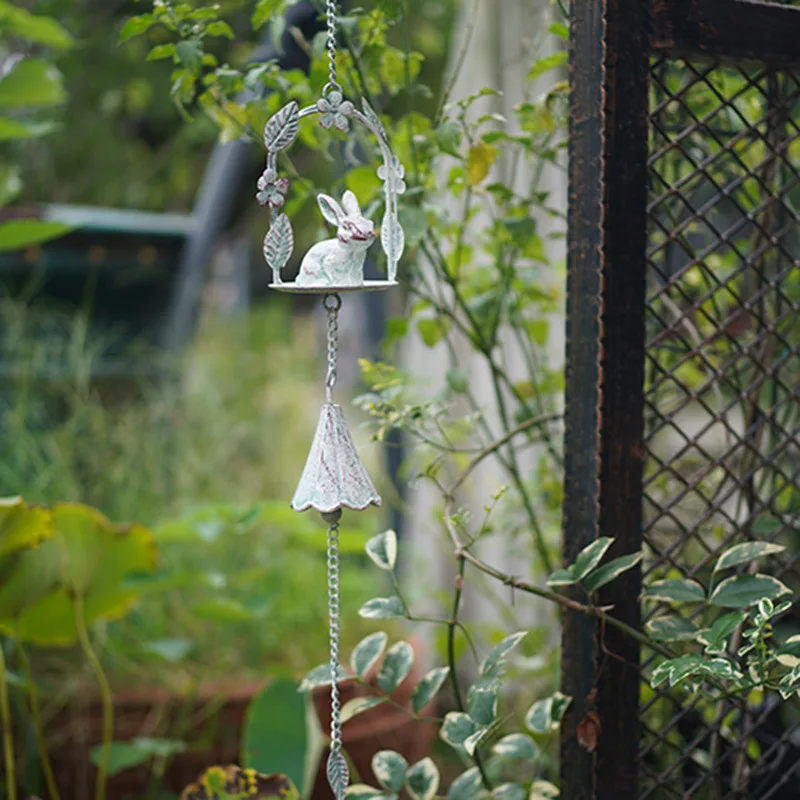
column 683, row 367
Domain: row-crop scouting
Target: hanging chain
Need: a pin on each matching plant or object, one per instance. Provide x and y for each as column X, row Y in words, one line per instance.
column 330, row 10
column 333, row 340
column 337, row 770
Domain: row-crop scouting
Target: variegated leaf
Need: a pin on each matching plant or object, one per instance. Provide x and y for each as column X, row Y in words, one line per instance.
column 281, row 129
column 279, row 243
column 422, row 780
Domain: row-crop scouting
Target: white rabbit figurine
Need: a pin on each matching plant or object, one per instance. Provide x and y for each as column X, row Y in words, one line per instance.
column 339, row 261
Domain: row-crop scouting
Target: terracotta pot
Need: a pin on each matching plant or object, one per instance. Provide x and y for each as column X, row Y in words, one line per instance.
column 381, row 728
column 215, row 718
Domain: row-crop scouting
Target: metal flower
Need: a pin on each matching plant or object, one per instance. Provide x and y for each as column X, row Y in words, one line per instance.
column 272, row 189
column 335, row 110
column 398, row 173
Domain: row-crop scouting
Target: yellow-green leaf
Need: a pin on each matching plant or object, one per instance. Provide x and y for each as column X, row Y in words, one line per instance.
column 22, row 525
column 480, row 158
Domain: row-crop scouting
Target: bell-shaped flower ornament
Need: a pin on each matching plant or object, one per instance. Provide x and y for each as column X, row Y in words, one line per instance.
column 334, row 476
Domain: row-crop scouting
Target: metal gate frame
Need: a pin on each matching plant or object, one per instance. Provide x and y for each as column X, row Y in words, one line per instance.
column 611, row 44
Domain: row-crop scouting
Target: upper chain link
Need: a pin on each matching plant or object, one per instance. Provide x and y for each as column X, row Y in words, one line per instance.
column 330, row 9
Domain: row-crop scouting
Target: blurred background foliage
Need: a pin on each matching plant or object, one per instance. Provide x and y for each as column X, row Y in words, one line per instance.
column 209, row 457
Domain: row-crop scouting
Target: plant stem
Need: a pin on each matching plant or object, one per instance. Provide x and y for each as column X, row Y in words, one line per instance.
column 8, row 736
column 451, row 660
column 105, row 697
column 41, row 745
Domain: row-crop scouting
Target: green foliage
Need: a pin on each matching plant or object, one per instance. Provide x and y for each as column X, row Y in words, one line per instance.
column 275, row 734
column 124, row 755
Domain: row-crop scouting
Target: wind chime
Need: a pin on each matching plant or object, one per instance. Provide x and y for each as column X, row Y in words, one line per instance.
column 334, row 477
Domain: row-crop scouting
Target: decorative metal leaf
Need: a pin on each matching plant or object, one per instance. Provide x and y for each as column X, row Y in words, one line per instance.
column 338, row 775
column 279, row 243
column 281, row 129
column 393, row 241
column 372, row 117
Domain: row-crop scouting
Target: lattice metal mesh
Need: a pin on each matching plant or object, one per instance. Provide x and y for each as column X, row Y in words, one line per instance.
column 723, row 392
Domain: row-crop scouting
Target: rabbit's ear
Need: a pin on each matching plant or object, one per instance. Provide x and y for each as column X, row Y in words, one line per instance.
column 350, row 203
column 330, row 209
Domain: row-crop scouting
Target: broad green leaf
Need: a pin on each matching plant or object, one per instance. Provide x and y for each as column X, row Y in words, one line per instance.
column 591, row 556
column 382, row 608
column 545, row 715
column 234, row 783
column 161, row 51
column 480, row 158
column 390, row 769
column 608, row 572
column 26, row 577
column 136, row 26
column 358, row 705
column 422, row 780
column 715, row 638
column 741, row 591
column 432, row 331
column 124, row 755
column 517, row 746
column 31, row 83
column 675, row 590
column 428, row 687
column 396, row 665
column 562, row 577
column 17, row 234
column 22, row 525
column 219, row 28
column 465, row 786
column 543, row 790
column 482, row 700
column 367, row 652
column 495, row 658
column 509, row 791
column 33, row 28
column 746, row 552
column 97, row 556
column 11, row 129
column 458, row 727
column 321, row 676
column 671, row 628
column 382, row 549
column 275, row 736
column 546, row 63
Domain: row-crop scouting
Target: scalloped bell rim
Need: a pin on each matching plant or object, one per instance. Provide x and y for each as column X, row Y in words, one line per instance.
column 367, row 286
